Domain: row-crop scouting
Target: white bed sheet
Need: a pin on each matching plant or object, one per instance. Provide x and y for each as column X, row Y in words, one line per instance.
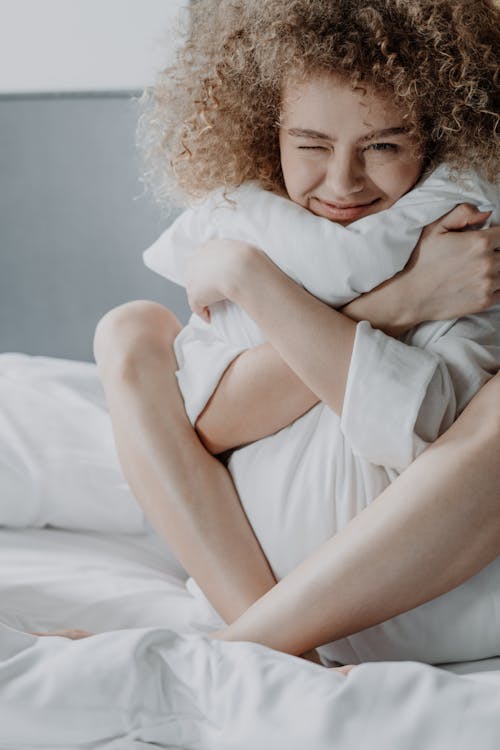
column 156, row 681
column 52, row 579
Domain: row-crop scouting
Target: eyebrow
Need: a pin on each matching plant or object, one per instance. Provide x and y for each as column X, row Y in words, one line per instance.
column 306, row 133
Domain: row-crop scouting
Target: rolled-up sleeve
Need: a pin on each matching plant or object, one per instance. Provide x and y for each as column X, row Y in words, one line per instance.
column 400, row 397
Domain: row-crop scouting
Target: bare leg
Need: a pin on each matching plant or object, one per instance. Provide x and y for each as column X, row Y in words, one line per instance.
column 186, row 493
column 404, row 549
column 436, row 526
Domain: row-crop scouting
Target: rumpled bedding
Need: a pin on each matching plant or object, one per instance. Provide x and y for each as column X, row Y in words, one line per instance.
column 150, row 677
column 144, row 688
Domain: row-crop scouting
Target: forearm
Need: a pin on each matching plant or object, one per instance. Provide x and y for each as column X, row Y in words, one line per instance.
column 258, row 395
column 314, row 340
column 389, row 307
column 451, row 273
column 394, row 555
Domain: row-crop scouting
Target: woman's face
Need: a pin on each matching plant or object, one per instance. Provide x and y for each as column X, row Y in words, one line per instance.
column 344, row 154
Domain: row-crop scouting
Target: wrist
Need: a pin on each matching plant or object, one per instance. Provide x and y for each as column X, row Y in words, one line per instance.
column 244, row 266
column 390, row 307
column 404, row 306
column 408, row 311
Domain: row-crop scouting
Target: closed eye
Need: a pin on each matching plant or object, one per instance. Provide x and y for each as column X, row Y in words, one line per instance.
column 373, row 146
column 383, row 146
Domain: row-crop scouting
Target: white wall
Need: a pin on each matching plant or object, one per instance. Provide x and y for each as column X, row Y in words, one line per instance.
column 84, row 45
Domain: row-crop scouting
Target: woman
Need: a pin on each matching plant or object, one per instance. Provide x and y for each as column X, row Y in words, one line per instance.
column 186, row 493
column 451, row 487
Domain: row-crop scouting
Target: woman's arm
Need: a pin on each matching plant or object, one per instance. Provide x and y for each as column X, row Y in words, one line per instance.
column 288, row 316
column 394, row 398
column 314, row 340
column 451, row 273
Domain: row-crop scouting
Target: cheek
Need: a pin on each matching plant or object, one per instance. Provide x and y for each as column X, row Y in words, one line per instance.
column 287, row 168
column 298, row 174
column 301, row 175
column 395, row 180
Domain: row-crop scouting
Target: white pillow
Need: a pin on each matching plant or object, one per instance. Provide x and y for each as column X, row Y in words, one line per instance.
column 58, row 462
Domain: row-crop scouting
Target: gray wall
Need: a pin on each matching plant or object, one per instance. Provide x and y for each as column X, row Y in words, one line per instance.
column 74, row 222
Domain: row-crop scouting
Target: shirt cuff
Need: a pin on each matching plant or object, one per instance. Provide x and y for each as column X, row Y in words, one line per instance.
column 386, row 385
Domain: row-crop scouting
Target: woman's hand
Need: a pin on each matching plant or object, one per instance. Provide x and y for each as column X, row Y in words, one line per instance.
column 210, row 272
column 453, row 271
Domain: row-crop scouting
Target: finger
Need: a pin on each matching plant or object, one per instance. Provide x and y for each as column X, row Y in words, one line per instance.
column 462, row 216
column 201, row 311
column 204, row 314
column 195, row 308
column 486, row 242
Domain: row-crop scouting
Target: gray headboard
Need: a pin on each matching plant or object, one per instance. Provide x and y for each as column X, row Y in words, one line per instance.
column 74, row 221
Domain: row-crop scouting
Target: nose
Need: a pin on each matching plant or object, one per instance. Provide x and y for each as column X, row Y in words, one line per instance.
column 345, row 174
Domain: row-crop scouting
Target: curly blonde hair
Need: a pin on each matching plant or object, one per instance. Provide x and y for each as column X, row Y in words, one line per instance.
column 211, row 120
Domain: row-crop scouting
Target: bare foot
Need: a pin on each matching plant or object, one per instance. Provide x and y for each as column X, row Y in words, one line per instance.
column 345, row 669
column 74, row 634
column 311, row 655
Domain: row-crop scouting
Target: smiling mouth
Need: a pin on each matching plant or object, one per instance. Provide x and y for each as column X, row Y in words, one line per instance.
column 345, row 206
column 345, row 212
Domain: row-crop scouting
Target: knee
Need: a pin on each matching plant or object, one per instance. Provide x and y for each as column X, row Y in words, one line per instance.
column 131, row 329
